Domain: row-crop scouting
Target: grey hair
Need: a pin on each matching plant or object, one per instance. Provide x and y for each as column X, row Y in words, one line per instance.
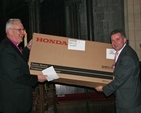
column 10, row 22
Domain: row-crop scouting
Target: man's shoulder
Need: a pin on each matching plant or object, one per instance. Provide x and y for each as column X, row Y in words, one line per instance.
column 5, row 43
column 128, row 48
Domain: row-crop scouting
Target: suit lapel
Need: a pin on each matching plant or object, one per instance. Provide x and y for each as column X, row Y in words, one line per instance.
column 15, row 48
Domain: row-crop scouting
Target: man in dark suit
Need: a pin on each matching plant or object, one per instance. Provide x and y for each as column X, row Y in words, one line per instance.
column 15, row 80
column 126, row 84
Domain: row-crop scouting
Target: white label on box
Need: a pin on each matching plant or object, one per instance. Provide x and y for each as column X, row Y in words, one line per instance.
column 110, row 53
column 76, row 44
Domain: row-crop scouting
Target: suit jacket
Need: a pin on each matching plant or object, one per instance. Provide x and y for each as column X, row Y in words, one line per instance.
column 15, row 80
column 126, row 84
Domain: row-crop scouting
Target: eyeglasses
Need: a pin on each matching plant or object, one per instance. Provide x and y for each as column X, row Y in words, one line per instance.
column 20, row 29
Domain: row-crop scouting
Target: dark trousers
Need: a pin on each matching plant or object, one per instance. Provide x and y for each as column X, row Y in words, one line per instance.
column 129, row 110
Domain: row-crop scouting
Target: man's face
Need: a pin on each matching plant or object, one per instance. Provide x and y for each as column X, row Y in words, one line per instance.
column 117, row 41
column 17, row 32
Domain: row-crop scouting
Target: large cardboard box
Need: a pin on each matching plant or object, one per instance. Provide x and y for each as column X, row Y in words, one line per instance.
column 77, row 62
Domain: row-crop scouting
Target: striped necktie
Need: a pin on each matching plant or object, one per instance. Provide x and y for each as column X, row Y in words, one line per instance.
column 115, row 59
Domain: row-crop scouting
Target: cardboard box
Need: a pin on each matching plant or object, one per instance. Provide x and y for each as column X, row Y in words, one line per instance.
column 77, row 62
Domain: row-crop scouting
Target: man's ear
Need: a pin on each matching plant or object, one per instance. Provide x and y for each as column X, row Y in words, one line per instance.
column 9, row 31
column 125, row 40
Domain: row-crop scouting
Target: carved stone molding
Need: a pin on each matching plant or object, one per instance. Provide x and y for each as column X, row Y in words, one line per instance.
column 35, row 1
column 73, row 3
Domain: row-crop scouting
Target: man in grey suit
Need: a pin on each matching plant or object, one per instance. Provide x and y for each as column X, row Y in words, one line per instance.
column 126, row 84
column 15, row 80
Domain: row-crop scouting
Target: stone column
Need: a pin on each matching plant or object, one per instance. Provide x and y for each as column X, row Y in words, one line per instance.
column 132, row 15
column 90, row 19
column 73, row 18
column 34, row 16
